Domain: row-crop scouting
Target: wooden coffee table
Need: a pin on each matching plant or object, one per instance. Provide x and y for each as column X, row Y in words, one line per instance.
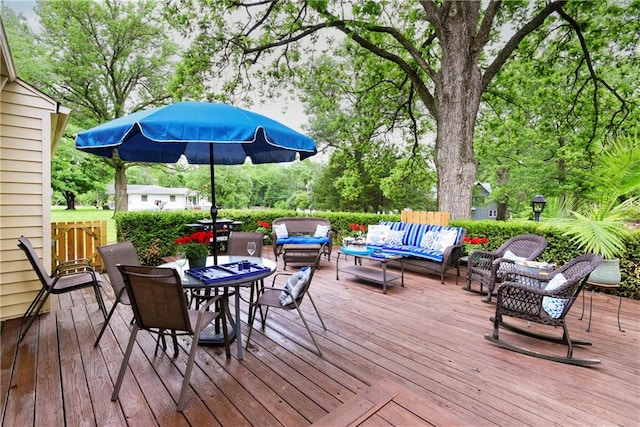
column 300, row 253
column 371, row 273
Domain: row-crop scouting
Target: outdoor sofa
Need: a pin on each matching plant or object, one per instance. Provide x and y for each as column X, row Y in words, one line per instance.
column 301, row 231
column 428, row 247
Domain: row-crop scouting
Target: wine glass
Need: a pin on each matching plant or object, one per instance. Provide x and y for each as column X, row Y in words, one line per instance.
column 251, row 248
column 181, row 261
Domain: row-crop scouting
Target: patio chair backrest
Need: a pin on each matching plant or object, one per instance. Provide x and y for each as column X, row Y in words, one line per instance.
column 528, row 246
column 237, row 243
column 34, row 259
column 112, row 255
column 157, row 297
column 306, row 285
column 576, row 272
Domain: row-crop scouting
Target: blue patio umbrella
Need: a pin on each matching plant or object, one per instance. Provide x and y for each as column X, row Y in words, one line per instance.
column 204, row 132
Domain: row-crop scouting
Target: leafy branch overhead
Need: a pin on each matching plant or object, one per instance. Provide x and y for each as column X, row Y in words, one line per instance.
column 448, row 53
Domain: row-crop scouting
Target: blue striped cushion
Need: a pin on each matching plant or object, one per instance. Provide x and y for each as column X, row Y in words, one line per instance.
column 394, row 225
column 413, row 233
column 407, row 250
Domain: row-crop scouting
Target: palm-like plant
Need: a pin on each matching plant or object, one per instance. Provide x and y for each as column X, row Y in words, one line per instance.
column 600, row 224
column 600, row 228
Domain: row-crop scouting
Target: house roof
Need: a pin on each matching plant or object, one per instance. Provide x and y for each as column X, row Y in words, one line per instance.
column 7, row 68
column 150, row 189
column 485, row 186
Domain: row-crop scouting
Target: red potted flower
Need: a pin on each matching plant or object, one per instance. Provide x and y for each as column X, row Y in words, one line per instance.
column 195, row 247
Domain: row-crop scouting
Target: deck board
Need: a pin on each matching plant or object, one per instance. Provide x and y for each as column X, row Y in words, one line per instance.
column 427, row 337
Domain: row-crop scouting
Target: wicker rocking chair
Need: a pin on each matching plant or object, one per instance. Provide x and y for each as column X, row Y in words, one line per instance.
column 545, row 300
column 490, row 268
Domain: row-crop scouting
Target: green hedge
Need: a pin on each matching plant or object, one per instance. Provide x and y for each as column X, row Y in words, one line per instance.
column 559, row 249
column 153, row 234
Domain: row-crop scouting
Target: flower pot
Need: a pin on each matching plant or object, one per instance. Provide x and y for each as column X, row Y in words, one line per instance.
column 608, row 272
column 197, row 262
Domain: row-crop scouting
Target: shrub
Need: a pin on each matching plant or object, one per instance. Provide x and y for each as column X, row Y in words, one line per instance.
column 142, row 228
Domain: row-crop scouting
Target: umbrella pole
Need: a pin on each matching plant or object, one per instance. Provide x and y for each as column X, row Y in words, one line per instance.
column 214, row 208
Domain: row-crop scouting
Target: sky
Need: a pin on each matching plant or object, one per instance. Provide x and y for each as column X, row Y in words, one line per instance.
column 292, row 116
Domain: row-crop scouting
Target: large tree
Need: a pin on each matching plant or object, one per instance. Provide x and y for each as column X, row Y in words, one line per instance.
column 366, row 123
column 109, row 58
column 75, row 173
column 449, row 51
column 528, row 145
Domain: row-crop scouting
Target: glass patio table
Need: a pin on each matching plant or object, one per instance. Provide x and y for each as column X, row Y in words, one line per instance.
column 212, row 334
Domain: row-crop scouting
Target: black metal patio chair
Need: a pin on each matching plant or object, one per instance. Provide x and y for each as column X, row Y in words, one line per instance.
column 67, row 277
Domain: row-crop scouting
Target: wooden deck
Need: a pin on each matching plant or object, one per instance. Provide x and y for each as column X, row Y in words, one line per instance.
column 427, row 337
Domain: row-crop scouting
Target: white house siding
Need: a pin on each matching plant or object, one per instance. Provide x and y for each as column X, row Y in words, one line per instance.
column 27, row 118
column 137, row 193
column 136, row 203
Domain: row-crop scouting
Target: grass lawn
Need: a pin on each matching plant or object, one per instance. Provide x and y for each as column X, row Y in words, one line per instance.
column 61, row 214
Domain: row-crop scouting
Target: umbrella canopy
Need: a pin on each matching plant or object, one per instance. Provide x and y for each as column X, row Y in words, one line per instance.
column 163, row 134
column 204, row 132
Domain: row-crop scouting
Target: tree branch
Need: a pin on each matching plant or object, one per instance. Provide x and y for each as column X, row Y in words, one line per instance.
column 422, row 90
column 515, row 40
column 487, row 22
column 432, row 12
column 594, row 77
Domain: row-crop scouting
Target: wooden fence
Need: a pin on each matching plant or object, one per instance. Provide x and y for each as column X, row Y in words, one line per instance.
column 73, row 240
column 425, row 217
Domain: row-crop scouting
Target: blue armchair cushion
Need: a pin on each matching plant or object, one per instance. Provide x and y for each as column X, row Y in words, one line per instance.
column 304, row 240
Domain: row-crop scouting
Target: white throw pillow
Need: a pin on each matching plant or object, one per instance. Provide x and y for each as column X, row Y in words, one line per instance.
column 321, row 231
column 428, row 239
column 395, row 237
column 294, row 285
column 281, row 231
column 444, row 239
column 513, row 257
column 554, row 306
column 377, row 234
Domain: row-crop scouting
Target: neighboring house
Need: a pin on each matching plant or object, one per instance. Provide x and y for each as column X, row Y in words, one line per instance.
column 154, row 197
column 31, row 124
column 483, row 206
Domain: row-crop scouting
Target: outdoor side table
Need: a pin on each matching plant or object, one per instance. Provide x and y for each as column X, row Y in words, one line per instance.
column 593, row 285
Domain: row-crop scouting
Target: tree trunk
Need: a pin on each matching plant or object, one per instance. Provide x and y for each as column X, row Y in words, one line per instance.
column 458, row 88
column 502, row 211
column 70, row 198
column 120, row 188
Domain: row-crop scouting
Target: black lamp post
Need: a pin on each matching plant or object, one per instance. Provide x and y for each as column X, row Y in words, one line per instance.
column 537, row 204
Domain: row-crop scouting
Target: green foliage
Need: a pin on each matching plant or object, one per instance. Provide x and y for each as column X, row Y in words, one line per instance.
column 599, row 228
column 388, row 77
column 497, row 232
column 560, row 250
column 78, row 173
column 354, row 114
column 106, row 59
column 30, row 57
column 545, row 120
column 600, row 223
column 143, row 227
